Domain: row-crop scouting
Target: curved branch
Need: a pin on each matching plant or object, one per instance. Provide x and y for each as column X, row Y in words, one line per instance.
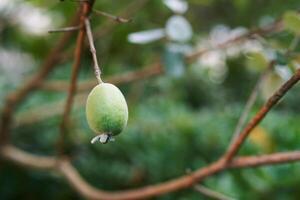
column 25, row 159
column 260, row 115
column 86, row 190
column 250, row 102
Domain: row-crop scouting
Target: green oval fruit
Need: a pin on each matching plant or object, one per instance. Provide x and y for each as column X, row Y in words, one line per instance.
column 106, row 110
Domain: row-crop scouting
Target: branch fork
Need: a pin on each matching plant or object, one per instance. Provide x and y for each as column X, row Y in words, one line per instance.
column 227, row 161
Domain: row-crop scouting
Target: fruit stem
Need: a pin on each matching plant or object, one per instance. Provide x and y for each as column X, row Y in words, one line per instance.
column 93, row 50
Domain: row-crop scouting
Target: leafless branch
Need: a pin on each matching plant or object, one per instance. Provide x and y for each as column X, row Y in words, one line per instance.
column 141, row 74
column 64, row 166
column 233, row 149
column 22, row 158
column 250, row 102
column 66, row 29
column 113, row 17
column 85, row 10
column 127, row 12
column 273, row 27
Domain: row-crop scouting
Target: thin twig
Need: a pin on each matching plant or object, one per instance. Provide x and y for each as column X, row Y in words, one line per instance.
column 272, row 101
column 93, row 50
column 113, row 17
column 85, row 9
column 211, row 193
column 259, row 31
column 250, row 102
column 127, row 12
column 136, row 5
column 152, row 70
column 65, row 29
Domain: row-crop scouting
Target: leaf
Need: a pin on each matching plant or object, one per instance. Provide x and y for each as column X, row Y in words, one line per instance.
column 177, row 6
column 179, row 29
column 145, row 37
column 291, row 21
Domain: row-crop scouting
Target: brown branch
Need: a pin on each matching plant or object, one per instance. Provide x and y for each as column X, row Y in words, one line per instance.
column 149, row 71
column 25, row 159
column 272, row 101
column 107, row 26
column 81, row 186
column 250, row 102
column 272, row 159
column 253, row 95
column 14, row 98
column 85, row 10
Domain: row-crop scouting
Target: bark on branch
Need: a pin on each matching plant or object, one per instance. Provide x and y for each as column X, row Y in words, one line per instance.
column 72, row 176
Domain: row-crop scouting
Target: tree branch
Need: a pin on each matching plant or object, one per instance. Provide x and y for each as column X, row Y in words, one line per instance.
column 64, row 166
column 251, row 100
column 65, row 29
column 128, row 11
column 112, row 17
column 86, row 190
column 85, row 10
column 83, row 86
column 259, row 31
column 272, row 101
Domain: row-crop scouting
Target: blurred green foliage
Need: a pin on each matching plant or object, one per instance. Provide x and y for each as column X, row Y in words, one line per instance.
column 175, row 123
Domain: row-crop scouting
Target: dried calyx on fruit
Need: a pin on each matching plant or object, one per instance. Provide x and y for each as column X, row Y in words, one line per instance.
column 106, row 112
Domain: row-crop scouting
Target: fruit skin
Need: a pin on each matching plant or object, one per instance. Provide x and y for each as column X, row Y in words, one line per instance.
column 106, row 109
